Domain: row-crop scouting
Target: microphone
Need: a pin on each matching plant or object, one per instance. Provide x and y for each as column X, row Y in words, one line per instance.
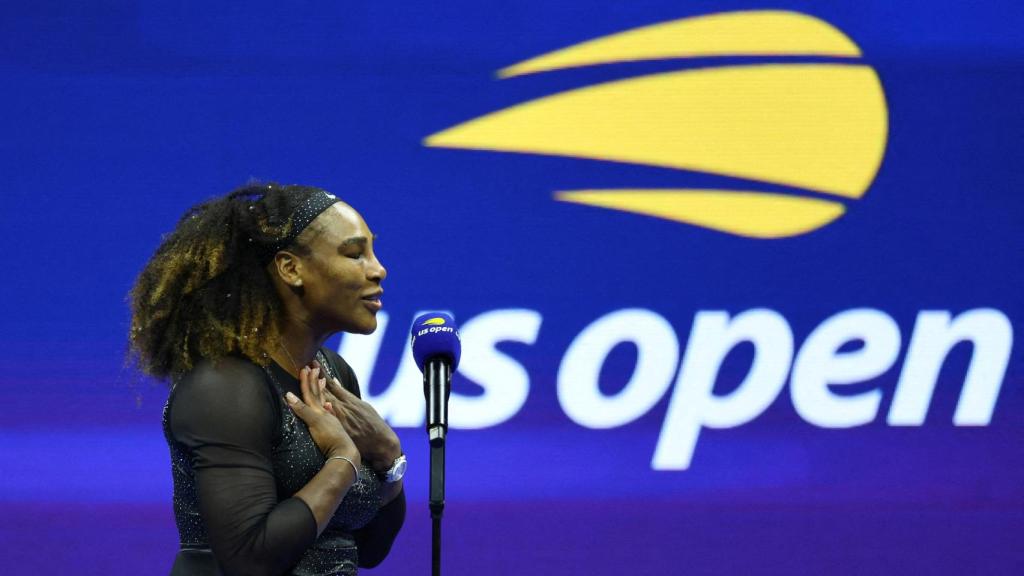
column 436, row 347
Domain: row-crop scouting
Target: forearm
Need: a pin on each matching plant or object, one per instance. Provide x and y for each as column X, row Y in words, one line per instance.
column 375, row 539
column 381, row 454
column 326, row 490
column 389, row 492
column 250, row 532
column 381, row 461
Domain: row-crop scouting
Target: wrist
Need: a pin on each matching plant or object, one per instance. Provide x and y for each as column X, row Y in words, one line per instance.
column 394, row 473
column 350, row 453
column 386, row 457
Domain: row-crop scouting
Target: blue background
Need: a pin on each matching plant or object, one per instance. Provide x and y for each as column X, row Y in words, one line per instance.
column 116, row 116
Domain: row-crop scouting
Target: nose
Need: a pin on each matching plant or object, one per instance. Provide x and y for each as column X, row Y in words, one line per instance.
column 377, row 271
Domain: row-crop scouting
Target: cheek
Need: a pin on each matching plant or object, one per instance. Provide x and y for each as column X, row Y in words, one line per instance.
column 348, row 279
column 337, row 283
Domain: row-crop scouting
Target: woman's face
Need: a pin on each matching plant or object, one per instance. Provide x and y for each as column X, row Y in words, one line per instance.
column 341, row 277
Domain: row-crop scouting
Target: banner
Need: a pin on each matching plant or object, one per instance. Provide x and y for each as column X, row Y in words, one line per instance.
column 739, row 285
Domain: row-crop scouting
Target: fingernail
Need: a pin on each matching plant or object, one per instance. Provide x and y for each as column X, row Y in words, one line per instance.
column 323, row 382
column 304, row 370
column 292, row 398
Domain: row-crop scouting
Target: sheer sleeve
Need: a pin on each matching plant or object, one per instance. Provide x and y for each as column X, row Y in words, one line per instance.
column 227, row 416
column 375, row 539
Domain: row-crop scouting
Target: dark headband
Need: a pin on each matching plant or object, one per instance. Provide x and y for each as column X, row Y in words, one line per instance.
column 301, row 218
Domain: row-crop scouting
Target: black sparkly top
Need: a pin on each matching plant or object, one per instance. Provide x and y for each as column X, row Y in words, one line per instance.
column 238, row 454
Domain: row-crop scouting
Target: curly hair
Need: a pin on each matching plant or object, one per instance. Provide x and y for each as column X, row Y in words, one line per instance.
column 206, row 292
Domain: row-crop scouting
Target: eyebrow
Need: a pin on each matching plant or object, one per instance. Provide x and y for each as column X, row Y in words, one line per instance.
column 356, row 240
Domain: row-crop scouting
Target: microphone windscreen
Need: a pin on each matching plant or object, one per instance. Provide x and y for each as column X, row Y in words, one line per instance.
column 435, row 335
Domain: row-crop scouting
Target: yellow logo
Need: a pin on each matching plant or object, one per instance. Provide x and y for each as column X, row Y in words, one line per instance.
column 434, row 322
column 818, row 127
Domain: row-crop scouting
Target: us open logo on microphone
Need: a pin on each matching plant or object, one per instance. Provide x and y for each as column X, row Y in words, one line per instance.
column 805, row 126
column 433, row 326
column 435, row 329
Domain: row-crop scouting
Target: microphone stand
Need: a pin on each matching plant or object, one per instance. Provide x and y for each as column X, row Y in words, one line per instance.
column 437, row 378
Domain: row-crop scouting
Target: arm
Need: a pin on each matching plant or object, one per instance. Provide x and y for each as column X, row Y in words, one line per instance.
column 375, row 539
column 380, row 446
column 227, row 416
column 328, row 434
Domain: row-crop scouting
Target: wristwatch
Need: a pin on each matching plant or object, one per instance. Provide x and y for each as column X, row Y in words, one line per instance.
column 397, row 470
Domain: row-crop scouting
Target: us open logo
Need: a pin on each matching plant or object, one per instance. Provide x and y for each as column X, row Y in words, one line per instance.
column 811, row 134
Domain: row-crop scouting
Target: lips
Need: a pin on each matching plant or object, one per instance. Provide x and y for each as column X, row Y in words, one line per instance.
column 373, row 301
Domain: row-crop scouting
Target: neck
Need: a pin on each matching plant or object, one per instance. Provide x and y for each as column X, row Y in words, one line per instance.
column 299, row 344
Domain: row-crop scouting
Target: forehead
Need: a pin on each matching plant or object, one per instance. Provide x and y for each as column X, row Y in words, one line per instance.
column 339, row 222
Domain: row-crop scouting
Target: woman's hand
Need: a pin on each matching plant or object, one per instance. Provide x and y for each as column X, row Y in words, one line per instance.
column 377, row 442
column 325, row 428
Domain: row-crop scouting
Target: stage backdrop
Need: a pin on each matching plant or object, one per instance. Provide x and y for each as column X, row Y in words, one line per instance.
column 739, row 283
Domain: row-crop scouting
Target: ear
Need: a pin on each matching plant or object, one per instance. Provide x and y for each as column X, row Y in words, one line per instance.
column 289, row 268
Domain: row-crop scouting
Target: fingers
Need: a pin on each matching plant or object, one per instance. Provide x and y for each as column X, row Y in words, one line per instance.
column 337, row 407
column 348, row 400
column 297, row 406
column 310, row 386
column 320, row 395
column 331, row 399
column 334, row 387
column 293, row 401
column 325, row 397
column 340, row 391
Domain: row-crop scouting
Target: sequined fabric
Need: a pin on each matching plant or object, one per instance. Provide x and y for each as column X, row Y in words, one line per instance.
column 191, row 530
column 295, row 459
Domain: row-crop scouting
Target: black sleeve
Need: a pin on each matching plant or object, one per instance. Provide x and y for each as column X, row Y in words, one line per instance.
column 227, row 415
column 375, row 539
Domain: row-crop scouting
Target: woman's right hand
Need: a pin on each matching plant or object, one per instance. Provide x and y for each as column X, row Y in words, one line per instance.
column 327, row 432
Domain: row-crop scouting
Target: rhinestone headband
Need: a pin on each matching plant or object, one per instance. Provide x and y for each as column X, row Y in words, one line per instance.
column 301, row 218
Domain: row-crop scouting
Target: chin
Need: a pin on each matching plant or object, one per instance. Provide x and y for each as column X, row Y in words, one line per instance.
column 365, row 328
column 355, row 322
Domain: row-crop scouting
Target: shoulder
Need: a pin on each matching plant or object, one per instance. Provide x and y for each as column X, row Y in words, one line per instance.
column 343, row 370
column 228, row 387
column 224, row 376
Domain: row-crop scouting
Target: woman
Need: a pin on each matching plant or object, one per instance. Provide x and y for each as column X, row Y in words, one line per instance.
column 278, row 465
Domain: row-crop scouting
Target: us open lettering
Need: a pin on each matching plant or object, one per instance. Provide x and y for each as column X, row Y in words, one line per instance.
column 813, row 370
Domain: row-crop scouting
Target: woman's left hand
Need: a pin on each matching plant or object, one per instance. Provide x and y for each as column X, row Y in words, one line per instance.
column 377, row 442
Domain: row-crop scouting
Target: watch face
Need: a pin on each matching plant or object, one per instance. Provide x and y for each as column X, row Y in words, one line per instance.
column 397, row 469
